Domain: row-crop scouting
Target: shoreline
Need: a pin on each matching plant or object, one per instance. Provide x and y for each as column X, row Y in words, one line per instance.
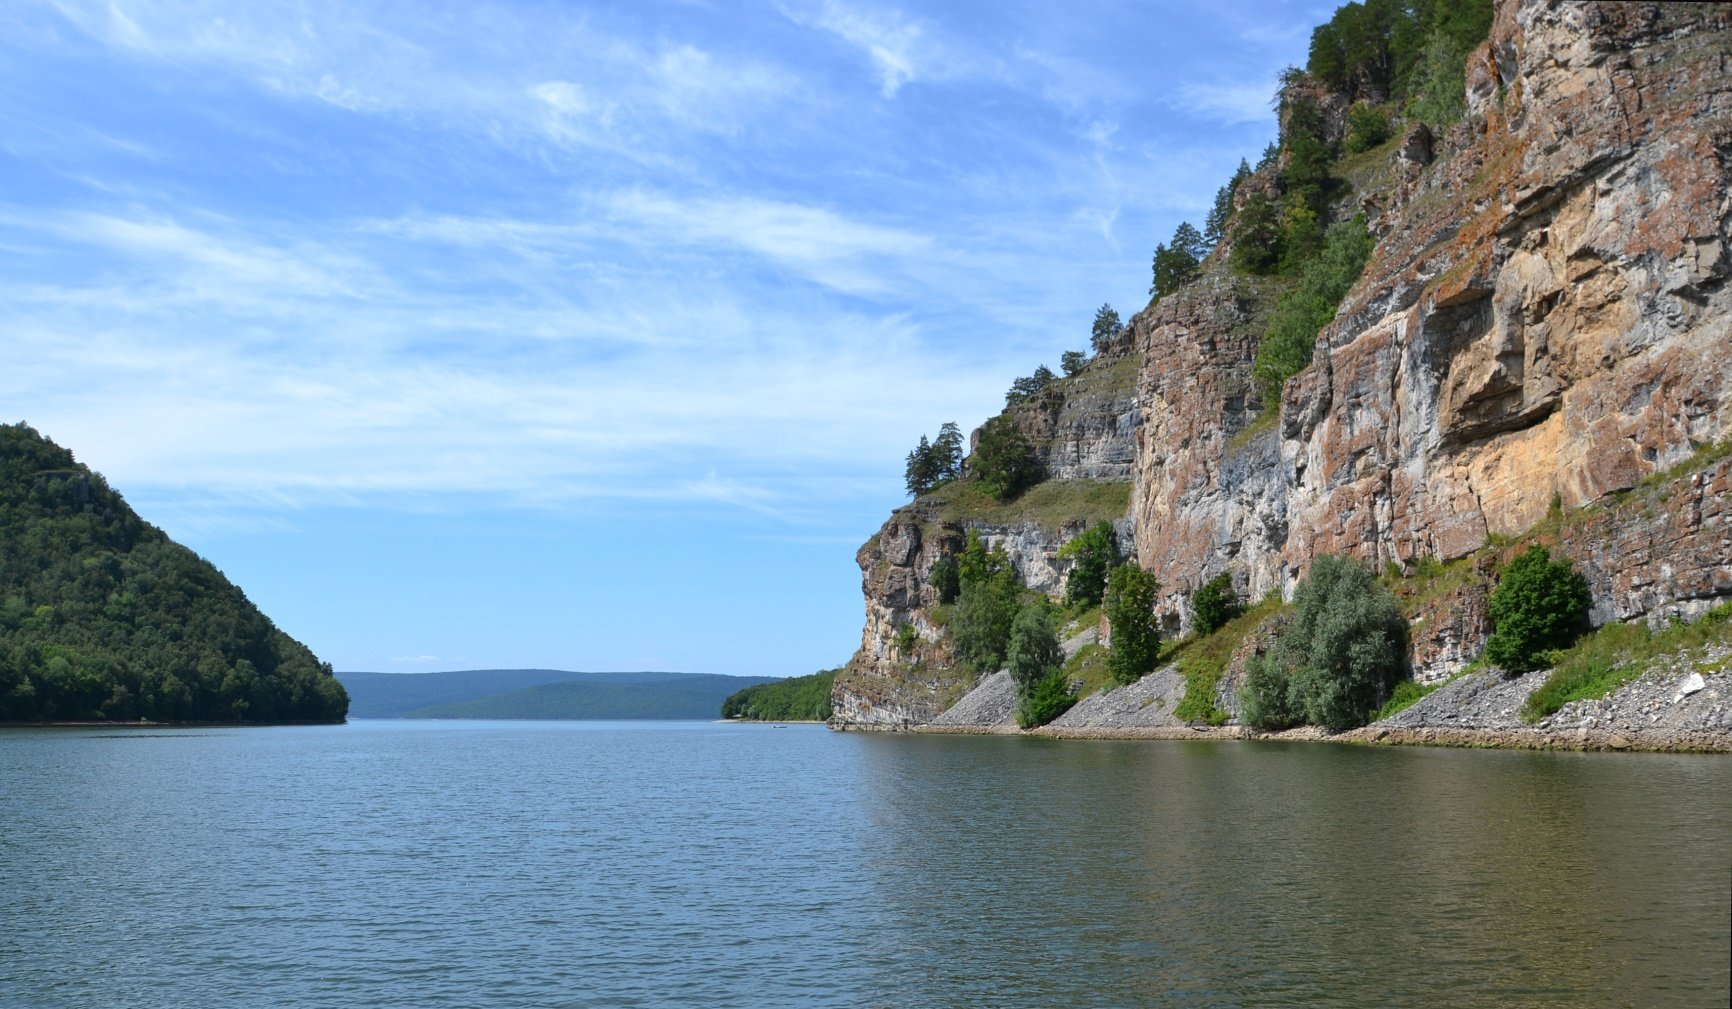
column 1580, row 740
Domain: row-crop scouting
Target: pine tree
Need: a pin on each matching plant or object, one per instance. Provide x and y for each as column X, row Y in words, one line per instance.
column 1106, row 328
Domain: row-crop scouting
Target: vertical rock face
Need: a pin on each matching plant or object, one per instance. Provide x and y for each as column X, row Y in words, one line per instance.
column 1545, row 321
column 1546, row 316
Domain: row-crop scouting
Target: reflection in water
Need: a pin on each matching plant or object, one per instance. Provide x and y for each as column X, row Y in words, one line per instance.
column 1032, row 872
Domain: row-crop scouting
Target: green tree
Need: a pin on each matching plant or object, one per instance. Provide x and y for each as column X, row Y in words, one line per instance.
column 1440, row 81
column 1034, row 647
column 1266, row 700
column 1072, row 362
column 1004, row 462
column 1096, row 552
column 920, row 474
column 977, row 564
column 1540, row 604
column 1130, row 609
column 1215, row 225
column 1215, row 603
column 1340, row 653
column 981, row 623
column 1367, row 126
column 1256, row 235
column 1048, row 699
column 1106, row 328
column 1177, row 262
column 947, row 448
column 945, row 579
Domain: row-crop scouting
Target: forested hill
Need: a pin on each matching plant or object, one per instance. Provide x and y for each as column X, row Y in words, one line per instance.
column 103, row 617
column 538, row 693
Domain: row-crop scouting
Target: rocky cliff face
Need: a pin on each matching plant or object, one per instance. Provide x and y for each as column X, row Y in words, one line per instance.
column 1084, row 429
column 1546, row 317
column 1544, row 324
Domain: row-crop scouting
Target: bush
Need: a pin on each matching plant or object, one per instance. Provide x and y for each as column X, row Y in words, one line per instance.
column 1539, row 605
column 1214, row 604
column 1003, row 461
column 1050, row 698
column 1097, row 552
column 906, row 638
column 1367, row 126
column 1035, row 653
column 1337, row 657
column 1130, row 609
column 1265, row 700
column 986, row 607
column 944, row 578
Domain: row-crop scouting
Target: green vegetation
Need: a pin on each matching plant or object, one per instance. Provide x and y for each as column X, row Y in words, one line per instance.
column 1332, row 664
column 1088, row 671
column 1096, row 551
column 1406, row 694
column 796, row 699
column 1302, row 313
column 987, row 606
column 1130, row 609
column 1029, row 386
column 906, row 638
column 1367, row 127
column 945, row 579
column 1106, row 327
column 1395, row 50
column 1202, row 660
column 1539, row 605
column 1072, row 362
column 1004, row 463
column 1214, row 604
column 1051, row 503
column 1177, row 263
column 1036, row 662
column 1221, row 213
column 932, row 464
column 1618, row 653
column 103, row 617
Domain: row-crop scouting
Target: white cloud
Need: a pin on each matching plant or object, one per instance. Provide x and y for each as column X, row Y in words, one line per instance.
column 895, row 45
column 1228, row 102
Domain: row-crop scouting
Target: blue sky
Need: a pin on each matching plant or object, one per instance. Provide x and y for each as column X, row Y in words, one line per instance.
column 582, row 335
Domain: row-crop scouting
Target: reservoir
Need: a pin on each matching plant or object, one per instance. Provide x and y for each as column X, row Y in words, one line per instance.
column 519, row 864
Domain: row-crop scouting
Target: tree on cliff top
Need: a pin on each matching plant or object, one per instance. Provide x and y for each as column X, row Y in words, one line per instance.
column 1176, row 263
column 1106, row 327
column 1003, row 461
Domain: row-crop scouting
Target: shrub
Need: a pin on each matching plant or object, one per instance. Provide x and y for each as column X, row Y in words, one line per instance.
column 1539, row 605
column 944, row 578
column 1215, row 603
column 1256, row 231
column 906, row 637
column 1050, row 698
column 1097, row 552
column 1330, row 667
column 1035, row 653
column 1367, row 126
column 1130, row 608
column 1265, row 700
column 1003, row 461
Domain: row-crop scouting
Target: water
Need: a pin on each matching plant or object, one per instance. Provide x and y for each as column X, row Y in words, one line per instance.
column 681, row 864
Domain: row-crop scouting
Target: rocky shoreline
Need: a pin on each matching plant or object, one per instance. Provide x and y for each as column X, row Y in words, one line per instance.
column 1681, row 704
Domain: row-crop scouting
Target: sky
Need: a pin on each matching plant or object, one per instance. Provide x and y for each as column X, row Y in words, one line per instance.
column 587, row 336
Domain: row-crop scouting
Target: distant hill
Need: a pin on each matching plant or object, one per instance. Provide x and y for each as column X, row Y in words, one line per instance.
column 540, row 693
column 104, row 618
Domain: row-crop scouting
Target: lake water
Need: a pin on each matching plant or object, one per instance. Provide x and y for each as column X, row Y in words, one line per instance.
column 488, row 864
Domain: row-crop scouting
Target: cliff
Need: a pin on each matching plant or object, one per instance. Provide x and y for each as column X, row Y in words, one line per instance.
column 1543, row 326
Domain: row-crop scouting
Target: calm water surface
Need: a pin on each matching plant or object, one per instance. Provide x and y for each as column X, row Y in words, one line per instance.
column 516, row 864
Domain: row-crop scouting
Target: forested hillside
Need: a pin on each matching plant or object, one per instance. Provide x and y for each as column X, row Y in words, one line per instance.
column 103, row 617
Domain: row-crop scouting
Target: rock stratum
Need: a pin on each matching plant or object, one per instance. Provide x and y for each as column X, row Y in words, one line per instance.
column 1539, row 347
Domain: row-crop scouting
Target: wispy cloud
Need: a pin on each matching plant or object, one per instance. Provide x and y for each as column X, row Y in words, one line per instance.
column 896, row 46
column 1229, row 102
